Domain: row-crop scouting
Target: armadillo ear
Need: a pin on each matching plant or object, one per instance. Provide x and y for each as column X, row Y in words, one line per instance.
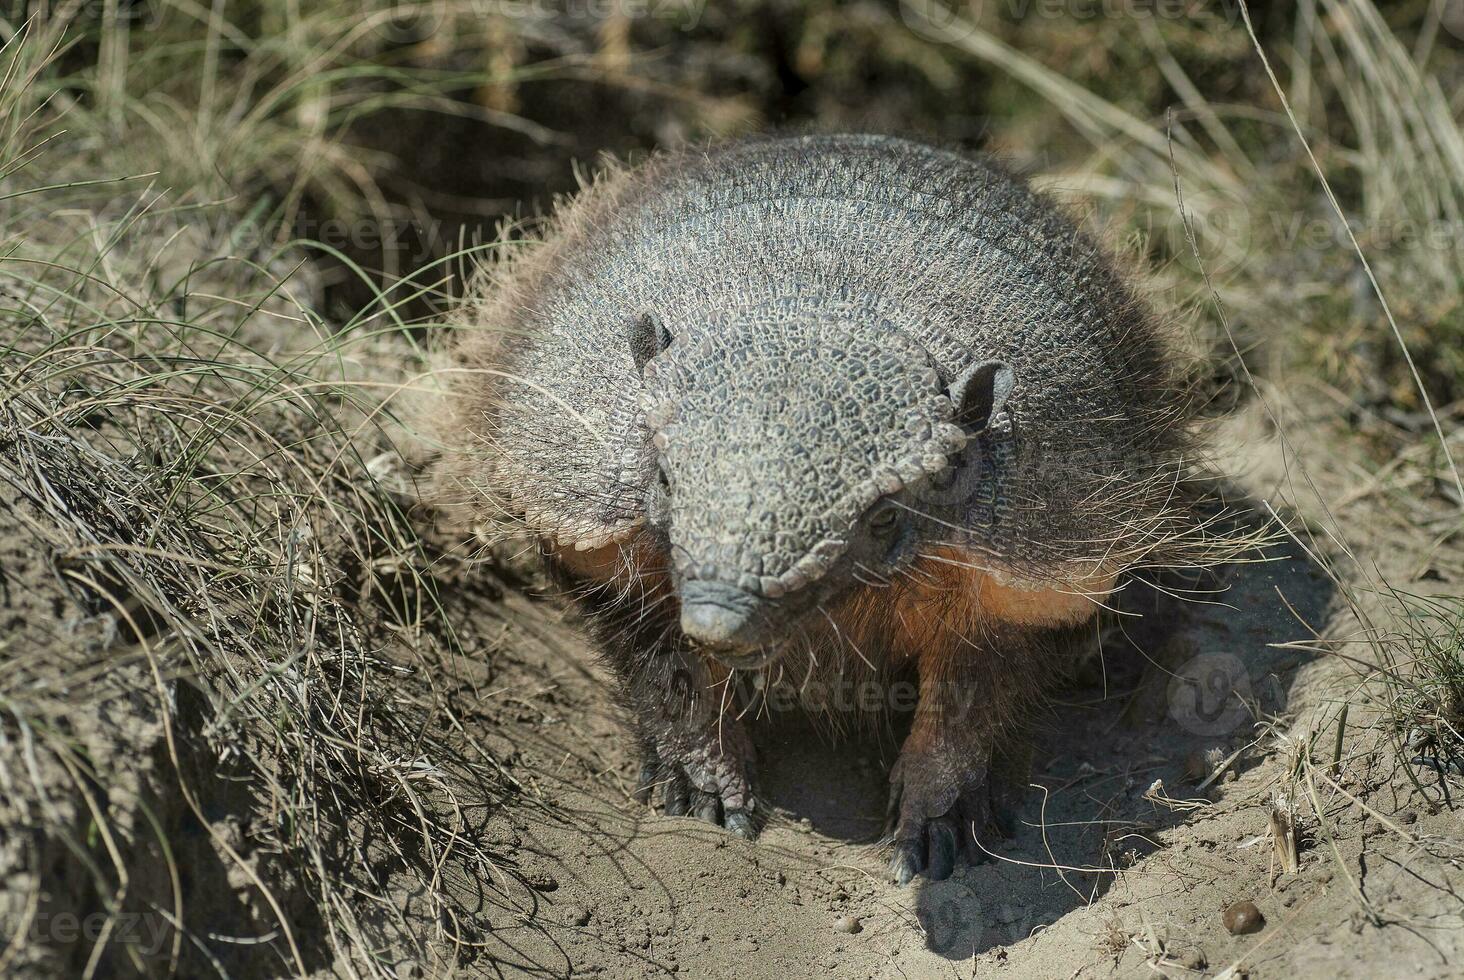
column 648, row 337
column 979, row 392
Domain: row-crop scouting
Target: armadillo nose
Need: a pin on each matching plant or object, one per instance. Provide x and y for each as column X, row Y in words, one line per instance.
column 719, row 616
column 712, row 624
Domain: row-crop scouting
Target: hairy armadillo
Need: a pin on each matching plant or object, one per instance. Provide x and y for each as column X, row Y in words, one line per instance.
column 842, row 406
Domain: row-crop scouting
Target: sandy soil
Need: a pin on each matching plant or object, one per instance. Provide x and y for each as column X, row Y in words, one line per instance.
column 1123, row 865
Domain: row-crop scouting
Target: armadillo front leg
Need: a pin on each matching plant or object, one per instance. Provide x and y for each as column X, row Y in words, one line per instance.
column 695, row 751
column 963, row 768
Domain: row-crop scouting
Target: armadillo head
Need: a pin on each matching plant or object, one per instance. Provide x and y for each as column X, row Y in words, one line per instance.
column 791, row 455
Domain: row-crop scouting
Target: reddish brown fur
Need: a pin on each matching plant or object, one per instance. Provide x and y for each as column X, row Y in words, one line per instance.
column 946, row 595
column 635, row 570
column 946, row 600
column 942, row 614
column 948, row 613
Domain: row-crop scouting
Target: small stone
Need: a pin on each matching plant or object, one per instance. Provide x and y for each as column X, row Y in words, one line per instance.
column 1194, row 959
column 1243, row 918
column 541, row 882
column 848, row 924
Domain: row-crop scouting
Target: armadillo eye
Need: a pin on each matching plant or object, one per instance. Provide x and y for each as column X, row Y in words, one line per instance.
column 884, row 518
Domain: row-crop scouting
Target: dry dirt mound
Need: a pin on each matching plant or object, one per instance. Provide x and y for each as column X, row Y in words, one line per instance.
column 225, row 689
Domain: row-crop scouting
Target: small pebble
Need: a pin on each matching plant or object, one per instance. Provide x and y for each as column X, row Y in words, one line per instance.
column 849, row 924
column 541, row 882
column 1243, row 918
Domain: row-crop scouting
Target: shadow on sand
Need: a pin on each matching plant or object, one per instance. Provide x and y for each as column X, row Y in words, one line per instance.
column 1189, row 678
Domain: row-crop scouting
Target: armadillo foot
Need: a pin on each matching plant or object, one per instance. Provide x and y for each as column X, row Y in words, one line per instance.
column 942, row 809
column 705, row 778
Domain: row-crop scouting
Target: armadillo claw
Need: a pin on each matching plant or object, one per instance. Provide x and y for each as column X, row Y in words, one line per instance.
column 940, row 837
column 908, row 861
column 650, row 769
column 706, row 807
column 932, row 851
column 712, row 788
column 740, row 822
column 675, row 793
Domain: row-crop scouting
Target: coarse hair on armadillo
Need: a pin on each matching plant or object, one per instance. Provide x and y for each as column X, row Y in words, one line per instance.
column 481, row 333
column 1098, row 456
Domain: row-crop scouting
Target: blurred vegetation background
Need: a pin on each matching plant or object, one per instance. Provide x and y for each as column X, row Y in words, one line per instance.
column 395, row 131
column 227, row 229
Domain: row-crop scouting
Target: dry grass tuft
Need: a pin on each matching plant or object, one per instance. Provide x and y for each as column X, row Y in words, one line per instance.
column 234, row 685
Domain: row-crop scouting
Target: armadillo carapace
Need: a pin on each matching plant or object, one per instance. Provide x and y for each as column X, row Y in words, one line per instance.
column 851, row 408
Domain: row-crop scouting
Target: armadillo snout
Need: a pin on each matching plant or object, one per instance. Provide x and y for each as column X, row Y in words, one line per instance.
column 729, row 622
